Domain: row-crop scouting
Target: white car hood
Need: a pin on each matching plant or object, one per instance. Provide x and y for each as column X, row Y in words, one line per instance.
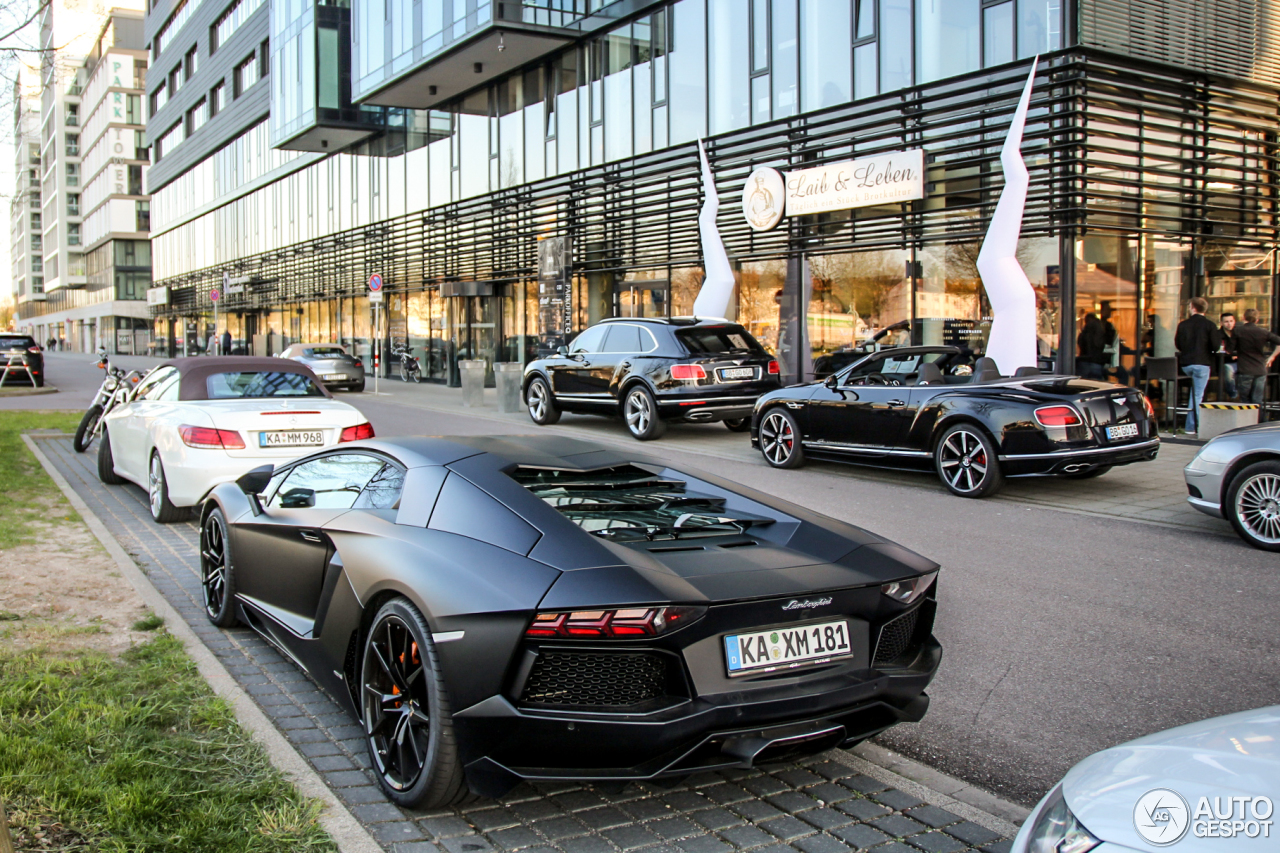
column 1235, row 755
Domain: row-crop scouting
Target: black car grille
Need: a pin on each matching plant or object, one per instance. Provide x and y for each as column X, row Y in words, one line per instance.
column 596, row 679
column 897, row 637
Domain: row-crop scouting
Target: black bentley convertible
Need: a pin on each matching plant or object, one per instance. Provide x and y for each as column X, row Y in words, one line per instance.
column 929, row 407
column 497, row 609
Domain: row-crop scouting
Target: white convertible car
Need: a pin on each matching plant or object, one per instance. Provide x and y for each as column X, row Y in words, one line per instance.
column 196, row 422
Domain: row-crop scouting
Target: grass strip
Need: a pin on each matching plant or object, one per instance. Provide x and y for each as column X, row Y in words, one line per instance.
column 29, row 496
column 138, row 755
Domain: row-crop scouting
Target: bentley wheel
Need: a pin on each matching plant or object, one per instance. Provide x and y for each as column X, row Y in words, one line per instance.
column 162, row 510
column 780, row 440
column 640, row 411
column 217, row 576
column 542, row 405
column 738, row 424
column 1253, row 505
column 966, row 462
column 405, row 709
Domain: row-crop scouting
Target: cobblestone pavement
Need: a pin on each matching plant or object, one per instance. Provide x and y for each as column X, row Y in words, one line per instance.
column 817, row 806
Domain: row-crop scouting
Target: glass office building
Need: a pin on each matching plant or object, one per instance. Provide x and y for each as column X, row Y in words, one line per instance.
column 466, row 143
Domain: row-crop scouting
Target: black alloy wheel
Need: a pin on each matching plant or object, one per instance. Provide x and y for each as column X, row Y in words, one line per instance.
column 106, row 462
column 543, row 410
column 640, row 411
column 405, row 709
column 738, row 424
column 966, row 462
column 217, row 575
column 1253, row 505
column 84, row 432
column 780, row 439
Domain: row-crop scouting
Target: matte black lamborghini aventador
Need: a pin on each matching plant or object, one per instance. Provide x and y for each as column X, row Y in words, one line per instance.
column 497, row 609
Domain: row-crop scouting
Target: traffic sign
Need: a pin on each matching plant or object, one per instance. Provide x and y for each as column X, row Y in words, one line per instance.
column 375, row 297
column 375, row 282
column 214, row 295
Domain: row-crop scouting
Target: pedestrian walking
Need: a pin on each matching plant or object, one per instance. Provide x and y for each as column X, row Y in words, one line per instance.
column 226, row 342
column 1229, row 355
column 1092, row 342
column 1197, row 339
column 1252, row 360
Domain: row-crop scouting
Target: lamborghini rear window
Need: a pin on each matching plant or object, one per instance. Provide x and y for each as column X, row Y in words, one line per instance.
column 260, row 383
column 630, row 504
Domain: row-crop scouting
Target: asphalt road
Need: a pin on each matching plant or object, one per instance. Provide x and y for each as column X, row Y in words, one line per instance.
column 1063, row 633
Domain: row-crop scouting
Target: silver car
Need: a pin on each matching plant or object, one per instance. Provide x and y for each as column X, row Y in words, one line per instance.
column 1236, row 476
column 331, row 362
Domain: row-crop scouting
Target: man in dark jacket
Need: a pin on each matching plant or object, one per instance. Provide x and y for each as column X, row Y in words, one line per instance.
column 1229, row 343
column 1197, row 339
column 1251, row 352
column 1092, row 343
column 226, row 342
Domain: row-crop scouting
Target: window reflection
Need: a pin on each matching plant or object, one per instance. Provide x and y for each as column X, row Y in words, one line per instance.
column 331, row 482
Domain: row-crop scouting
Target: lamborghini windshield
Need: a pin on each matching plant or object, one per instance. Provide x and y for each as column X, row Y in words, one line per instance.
column 629, row 504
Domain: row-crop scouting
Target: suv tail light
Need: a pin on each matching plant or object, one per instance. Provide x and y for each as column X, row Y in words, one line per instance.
column 208, row 438
column 33, row 349
column 688, row 371
column 631, row 622
column 774, row 369
column 1058, row 416
column 358, row 432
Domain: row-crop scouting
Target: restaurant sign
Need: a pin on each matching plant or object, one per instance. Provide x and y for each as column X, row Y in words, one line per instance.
column 884, row 179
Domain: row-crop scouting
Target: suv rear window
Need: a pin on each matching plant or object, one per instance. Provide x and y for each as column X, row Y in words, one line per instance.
column 714, row 340
column 9, row 342
column 630, row 504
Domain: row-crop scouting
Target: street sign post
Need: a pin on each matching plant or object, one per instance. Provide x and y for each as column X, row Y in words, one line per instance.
column 214, row 296
column 375, row 299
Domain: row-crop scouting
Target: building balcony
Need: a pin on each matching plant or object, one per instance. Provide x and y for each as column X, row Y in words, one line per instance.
column 496, row 39
column 32, row 297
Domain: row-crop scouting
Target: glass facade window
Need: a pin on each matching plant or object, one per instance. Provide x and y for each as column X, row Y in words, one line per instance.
column 217, row 97
column 246, row 74
column 73, row 204
column 688, row 71
column 895, row 52
column 135, row 179
column 170, row 140
column 997, row 34
column 784, row 65
column 72, row 115
column 1039, row 27
column 73, row 233
column 728, row 63
column 191, row 62
column 159, row 98
column 825, row 56
column 230, row 20
column 73, row 145
column 133, row 110
column 947, row 41
column 197, row 116
column 174, row 25
column 73, row 174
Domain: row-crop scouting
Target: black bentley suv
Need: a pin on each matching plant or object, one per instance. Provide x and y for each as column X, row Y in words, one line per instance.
column 651, row 371
column 495, row 609
column 928, row 407
column 21, row 360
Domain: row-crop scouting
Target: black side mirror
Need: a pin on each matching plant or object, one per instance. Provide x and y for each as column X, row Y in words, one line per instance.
column 562, row 351
column 298, row 499
column 831, row 381
column 255, row 483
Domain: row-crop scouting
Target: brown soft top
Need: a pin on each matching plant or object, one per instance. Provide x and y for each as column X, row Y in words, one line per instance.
column 195, row 370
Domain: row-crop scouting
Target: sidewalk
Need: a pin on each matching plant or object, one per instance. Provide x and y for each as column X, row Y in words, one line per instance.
column 1152, row 492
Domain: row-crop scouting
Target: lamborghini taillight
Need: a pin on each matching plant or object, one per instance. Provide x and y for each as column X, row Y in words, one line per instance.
column 620, row 623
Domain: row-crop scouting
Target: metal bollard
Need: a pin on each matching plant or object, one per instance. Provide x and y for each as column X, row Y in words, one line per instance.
column 473, row 371
column 508, row 375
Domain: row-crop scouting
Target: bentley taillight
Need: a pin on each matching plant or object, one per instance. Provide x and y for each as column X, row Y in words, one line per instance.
column 208, row 438
column 621, row 623
column 1058, row 416
column 774, row 369
column 688, row 371
column 1146, row 404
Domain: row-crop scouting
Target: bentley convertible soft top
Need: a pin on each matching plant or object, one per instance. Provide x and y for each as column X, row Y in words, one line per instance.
column 497, row 609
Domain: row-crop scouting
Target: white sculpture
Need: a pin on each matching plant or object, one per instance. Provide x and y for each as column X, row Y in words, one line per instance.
column 717, row 286
column 1012, row 343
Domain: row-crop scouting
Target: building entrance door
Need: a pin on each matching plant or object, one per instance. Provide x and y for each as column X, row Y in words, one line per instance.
column 475, row 330
column 641, row 298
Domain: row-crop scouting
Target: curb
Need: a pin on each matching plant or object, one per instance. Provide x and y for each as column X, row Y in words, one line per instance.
column 27, row 392
column 349, row 835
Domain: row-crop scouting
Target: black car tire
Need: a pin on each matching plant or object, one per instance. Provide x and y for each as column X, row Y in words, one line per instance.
column 966, row 462
column 543, row 410
column 217, row 571
column 640, row 413
column 359, row 386
column 738, row 424
column 411, row 741
column 39, row 380
column 780, row 439
column 84, row 432
column 1253, row 505
column 1090, row 474
column 162, row 510
column 106, row 462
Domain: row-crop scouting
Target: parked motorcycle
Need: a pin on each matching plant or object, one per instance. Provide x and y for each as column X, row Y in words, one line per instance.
column 117, row 387
column 410, row 369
